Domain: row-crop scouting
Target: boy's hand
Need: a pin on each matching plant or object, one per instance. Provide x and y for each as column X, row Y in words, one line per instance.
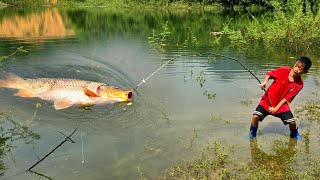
column 263, row 85
column 273, row 110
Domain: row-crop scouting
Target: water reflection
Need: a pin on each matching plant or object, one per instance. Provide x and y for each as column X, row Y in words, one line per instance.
column 278, row 164
column 37, row 25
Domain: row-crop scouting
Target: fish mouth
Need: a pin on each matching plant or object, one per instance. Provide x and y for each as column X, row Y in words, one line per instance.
column 130, row 95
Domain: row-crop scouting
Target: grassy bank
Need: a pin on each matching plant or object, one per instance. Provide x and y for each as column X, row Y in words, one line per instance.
column 118, row 4
column 294, row 28
column 149, row 5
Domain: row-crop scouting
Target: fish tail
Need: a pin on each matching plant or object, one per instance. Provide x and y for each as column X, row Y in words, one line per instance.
column 10, row 81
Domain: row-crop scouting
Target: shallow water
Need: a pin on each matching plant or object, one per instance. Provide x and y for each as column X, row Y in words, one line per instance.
column 171, row 116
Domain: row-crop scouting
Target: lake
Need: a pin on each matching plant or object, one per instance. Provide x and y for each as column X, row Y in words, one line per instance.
column 195, row 99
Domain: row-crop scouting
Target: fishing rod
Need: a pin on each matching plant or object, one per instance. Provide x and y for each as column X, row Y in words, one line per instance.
column 268, row 99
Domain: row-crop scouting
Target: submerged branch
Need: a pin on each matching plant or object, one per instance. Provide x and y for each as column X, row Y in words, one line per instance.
column 19, row 49
column 67, row 138
column 42, row 175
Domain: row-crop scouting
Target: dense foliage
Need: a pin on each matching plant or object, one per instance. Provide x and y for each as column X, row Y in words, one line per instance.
column 294, row 27
column 227, row 4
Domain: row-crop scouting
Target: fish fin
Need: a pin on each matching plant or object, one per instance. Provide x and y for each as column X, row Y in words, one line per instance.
column 62, row 104
column 10, row 81
column 90, row 93
column 24, row 93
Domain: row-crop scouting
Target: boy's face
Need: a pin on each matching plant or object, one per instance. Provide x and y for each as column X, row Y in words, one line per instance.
column 298, row 69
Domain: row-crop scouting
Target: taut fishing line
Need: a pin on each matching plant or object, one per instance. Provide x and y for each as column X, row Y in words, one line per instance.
column 144, row 80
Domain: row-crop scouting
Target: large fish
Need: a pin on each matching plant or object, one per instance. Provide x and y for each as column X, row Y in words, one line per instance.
column 66, row 92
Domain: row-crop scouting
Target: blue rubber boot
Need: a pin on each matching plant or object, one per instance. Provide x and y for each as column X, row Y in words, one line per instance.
column 295, row 134
column 252, row 133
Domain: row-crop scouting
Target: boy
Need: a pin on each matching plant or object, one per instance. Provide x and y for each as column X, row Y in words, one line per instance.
column 286, row 85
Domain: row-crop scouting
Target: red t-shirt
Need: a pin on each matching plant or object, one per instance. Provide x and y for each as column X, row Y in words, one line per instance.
column 281, row 88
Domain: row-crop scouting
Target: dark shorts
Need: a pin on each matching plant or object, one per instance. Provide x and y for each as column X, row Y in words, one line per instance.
column 286, row 117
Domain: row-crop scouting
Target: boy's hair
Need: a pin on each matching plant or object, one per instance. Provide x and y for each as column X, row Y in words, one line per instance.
column 306, row 61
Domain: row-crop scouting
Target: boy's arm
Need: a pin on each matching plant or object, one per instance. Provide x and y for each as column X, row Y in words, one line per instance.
column 266, row 79
column 275, row 109
column 288, row 98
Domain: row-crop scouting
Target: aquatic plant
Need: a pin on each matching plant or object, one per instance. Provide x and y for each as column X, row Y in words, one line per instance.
column 215, row 118
column 10, row 133
column 191, row 44
column 215, row 162
column 209, row 95
column 158, row 42
column 246, row 102
column 209, row 164
column 201, row 79
column 192, row 138
column 212, row 59
column 19, row 49
column 310, row 111
column 30, row 121
column 191, row 41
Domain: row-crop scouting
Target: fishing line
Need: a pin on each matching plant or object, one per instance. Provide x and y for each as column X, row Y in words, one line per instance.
column 268, row 100
column 144, row 80
column 82, row 162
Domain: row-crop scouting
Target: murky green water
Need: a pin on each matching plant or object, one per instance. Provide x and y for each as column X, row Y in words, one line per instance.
column 172, row 115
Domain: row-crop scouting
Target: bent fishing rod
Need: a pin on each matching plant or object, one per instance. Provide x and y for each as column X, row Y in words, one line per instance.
column 268, row 99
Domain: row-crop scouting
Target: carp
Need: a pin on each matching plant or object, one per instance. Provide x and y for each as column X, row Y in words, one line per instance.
column 66, row 92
